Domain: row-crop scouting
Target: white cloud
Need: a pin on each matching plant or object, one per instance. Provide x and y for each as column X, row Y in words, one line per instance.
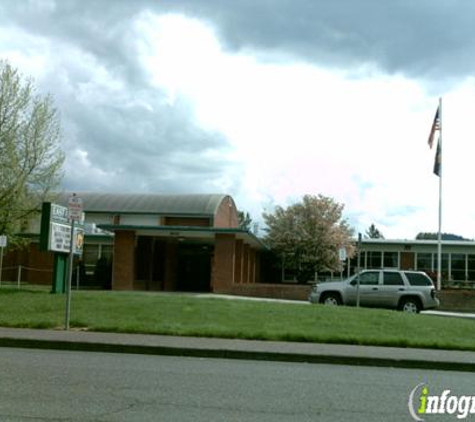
column 357, row 135
column 294, row 127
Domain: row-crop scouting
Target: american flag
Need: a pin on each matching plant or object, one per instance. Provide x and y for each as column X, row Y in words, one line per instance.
column 438, row 160
column 435, row 127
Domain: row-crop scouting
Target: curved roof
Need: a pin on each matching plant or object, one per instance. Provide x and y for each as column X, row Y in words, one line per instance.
column 194, row 204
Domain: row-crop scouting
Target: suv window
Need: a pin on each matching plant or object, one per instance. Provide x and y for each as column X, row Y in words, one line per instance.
column 392, row 279
column 369, row 278
column 418, row 279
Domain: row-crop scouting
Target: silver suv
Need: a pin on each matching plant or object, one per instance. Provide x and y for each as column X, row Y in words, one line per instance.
column 408, row 291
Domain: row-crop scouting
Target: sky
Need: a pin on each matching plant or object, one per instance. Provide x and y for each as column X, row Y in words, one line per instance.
column 265, row 100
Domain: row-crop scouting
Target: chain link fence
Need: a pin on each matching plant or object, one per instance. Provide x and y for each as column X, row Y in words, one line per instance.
column 19, row 276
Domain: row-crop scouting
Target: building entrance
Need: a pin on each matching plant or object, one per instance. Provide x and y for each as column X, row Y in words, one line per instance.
column 194, row 268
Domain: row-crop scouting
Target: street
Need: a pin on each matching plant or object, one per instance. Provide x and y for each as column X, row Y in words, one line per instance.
column 40, row 385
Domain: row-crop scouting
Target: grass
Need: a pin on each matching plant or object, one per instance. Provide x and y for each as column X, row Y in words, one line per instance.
column 177, row 314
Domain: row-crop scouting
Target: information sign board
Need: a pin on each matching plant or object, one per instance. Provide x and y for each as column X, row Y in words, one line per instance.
column 56, row 230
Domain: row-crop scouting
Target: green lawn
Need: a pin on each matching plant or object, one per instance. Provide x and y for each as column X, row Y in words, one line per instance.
column 177, row 314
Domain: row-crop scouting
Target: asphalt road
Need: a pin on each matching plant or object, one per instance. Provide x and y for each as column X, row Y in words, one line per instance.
column 41, row 385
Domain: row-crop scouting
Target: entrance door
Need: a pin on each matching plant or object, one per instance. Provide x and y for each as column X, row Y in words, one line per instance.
column 407, row 261
column 194, row 268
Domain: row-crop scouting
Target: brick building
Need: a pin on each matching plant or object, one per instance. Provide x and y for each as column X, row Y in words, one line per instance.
column 162, row 242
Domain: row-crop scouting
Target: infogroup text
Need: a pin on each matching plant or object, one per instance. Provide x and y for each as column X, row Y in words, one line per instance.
column 422, row 403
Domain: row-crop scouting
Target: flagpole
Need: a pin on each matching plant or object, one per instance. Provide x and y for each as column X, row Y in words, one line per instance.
column 439, row 234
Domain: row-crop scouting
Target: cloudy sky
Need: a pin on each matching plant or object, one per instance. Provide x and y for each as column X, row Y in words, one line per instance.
column 266, row 100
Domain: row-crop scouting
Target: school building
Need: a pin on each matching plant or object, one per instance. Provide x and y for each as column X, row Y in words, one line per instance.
column 457, row 264
column 157, row 243
column 192, row 243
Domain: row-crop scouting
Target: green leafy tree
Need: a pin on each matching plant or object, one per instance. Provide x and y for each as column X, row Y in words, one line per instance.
column 308, row 235
column 373, row 233
column 245, row 220
column 30, row 155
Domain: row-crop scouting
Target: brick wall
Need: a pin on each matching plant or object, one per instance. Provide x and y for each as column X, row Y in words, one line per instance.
column 457, row 300
column 37, row 265
column 226, row 215
column 224, row 262
column 40, row 264
column 123, row 272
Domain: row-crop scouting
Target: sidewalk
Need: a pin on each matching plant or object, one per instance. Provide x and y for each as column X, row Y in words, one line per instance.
column 238, row 349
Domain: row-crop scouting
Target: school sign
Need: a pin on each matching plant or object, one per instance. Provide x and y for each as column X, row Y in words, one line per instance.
column 55, row 233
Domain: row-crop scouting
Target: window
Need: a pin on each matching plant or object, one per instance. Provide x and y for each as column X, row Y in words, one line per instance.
column 445, row 262
column 373, row 260
column 90, row 254
column 471, row 267
column 354, row 263
column 418, row 279
column 392, row 279
column 107, row 252
column 424, row 262
column 369, row 278
column 445, row 265
column 390, row 260
column 458, row 267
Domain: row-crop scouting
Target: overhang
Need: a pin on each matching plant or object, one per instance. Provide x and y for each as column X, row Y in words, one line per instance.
column 186, row 232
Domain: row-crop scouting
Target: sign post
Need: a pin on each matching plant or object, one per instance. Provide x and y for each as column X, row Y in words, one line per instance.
column 3, row 244
column 359, row 270
column 55, row 236
column 75, row 212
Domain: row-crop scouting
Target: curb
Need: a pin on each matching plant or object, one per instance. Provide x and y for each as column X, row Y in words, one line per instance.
column 227, row 353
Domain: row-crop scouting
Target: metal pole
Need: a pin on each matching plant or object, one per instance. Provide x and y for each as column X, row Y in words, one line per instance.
column 358, row 274
column 77, row 277
column 1, row 264
column 19, row 276
column 439, row 235
column 70, row 275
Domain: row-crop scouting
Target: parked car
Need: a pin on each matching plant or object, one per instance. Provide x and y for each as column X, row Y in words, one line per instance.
column 408, row 291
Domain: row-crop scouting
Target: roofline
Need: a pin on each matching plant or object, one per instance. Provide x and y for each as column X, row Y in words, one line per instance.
column 60, row 198
column 418, row 242
column 190, row 229
column 161, row 214
column 223, row 197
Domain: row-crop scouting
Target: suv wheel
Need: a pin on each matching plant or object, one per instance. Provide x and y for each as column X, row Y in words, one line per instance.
column 332, row 299
column 410, row 305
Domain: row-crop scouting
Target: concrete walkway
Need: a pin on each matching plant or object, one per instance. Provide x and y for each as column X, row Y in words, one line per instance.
column 238, row 349
column 301, row 302
column 450, row 314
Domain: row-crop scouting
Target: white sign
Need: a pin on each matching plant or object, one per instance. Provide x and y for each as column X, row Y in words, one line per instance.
column 342, row 254
column 56, row 229
column 75, row 208
column 60, row 238
column 3, row 241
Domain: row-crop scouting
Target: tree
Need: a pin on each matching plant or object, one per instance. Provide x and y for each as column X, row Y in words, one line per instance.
column 373, row 233
column 308, row 235
column 245, row 220
column 30, row 155
column 435, row 236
